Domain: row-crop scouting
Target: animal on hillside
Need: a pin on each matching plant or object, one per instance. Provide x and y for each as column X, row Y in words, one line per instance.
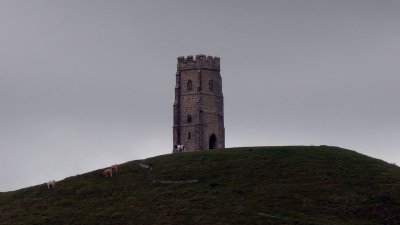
column 148, row 168
column 144, row 166
column 114, row 168
column 51, row 184
column 180, row 148
column 108, row 172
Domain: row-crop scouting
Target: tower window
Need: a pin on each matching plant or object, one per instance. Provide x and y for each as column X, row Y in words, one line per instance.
column 211, row 85
column 189, row 118
column 189, row 85
column 189, row 135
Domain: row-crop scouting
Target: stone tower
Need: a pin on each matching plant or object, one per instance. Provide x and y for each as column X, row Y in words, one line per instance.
column 199, row 104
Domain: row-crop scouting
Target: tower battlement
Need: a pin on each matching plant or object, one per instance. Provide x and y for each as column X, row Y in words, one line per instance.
column 200, row 61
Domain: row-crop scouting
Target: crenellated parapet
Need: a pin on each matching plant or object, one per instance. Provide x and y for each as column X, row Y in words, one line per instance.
column 201, row 61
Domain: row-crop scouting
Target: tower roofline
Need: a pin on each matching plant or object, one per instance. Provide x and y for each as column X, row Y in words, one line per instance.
column 198, row 62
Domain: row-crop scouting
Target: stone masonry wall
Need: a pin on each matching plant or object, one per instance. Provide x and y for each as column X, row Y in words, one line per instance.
column 198, row 106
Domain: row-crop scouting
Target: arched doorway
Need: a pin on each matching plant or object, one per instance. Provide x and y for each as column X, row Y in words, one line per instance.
column 213, row 142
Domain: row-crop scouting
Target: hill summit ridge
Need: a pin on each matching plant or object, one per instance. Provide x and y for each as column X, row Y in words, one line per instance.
column 248, row 185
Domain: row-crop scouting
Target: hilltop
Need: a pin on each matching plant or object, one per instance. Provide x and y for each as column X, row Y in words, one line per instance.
column 251, row 185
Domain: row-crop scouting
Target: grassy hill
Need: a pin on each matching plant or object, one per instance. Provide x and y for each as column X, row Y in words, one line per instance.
column 254, row 185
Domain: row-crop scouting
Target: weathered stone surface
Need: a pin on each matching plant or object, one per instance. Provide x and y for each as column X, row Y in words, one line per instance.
column 199, row 104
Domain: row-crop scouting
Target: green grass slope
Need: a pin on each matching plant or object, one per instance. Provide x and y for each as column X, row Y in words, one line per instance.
column 254, row 185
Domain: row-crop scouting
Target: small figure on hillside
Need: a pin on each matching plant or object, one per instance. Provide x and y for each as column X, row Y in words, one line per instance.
column 148, row 168
column 181, row 148
column 114, row 168
column 51, row 184
column 108, row 172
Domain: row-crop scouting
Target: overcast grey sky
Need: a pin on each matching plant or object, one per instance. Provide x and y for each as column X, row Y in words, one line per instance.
column 85, row 84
